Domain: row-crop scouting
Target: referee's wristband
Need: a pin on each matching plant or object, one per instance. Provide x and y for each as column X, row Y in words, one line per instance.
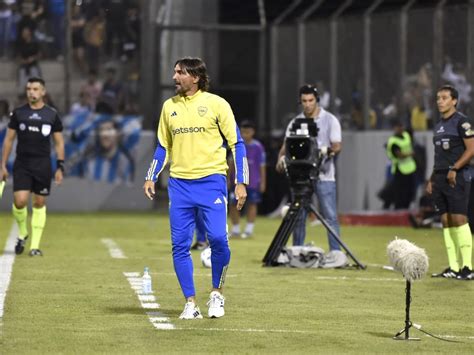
column 453, row 169
column 60, row 165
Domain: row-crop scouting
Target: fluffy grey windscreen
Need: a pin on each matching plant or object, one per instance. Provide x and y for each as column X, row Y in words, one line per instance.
column 407, row 258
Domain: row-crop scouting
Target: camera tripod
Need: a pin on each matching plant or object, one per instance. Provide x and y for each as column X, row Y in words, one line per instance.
column 301, row 194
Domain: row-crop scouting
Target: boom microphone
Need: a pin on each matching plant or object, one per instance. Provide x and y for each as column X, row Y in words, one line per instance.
column 407, row 258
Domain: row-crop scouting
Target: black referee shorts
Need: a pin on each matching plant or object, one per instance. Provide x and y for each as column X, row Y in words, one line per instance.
column 447, row 199
column 33, row 175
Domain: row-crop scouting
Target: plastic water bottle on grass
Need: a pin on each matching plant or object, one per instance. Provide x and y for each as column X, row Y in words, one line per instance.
column 146, row 282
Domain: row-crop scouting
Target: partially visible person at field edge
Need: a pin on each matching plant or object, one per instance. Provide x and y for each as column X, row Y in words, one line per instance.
column 33, row 124
column 195, row 128
column 454, row 148
column 402, row 189
column 257, row 181
column 329, row 140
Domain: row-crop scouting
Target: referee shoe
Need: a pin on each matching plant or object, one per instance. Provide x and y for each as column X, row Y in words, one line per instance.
column 465, row 274
column 35, row 252
column 20, row 245
column 447, row 274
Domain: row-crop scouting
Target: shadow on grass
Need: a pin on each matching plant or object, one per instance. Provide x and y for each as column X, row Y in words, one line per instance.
column 382, row 335
column 140, row 310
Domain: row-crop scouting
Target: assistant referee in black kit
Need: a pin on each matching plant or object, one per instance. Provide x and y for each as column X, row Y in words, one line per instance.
column 33, row 123
column 453, row 139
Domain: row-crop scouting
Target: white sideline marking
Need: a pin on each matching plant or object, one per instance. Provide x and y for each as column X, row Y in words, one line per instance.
column 146, row 298
column 159, row 320
column 150, row 305
column 249, row 330
column 195, row 274
column 6, row 265
column 401, row 279
column 114, row 250
column 164, row 326
column 131, row 274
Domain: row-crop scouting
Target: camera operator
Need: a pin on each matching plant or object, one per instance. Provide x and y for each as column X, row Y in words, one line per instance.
column 329, row 143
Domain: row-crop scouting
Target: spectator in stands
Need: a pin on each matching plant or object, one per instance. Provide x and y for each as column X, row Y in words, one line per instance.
column 92, row 89
column 108, row 159
column 6, row 19
column 113, row 90
column 357, row 116
column 81, row 106
column 325, row 96
column 131, row 92
column 31, row 12
column 28, row 53
column 56, row 18
column 115, row 13
column 458, row 79
column 90, row 8
column 131, row 43
column 94, row 32
column 78, row 22
column 419, row 118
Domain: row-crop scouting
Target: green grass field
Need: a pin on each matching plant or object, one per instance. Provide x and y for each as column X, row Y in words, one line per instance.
column 76, row 299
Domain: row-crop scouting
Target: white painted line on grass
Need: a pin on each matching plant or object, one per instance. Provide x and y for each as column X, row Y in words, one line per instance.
column 114, row 250
column 249, row 330
column 159, row 320
column 6, row 265
column 195, row 274
column 164, row 326
column 150, row 305
column 146, row 298
column 131, row 274
column 386, row 279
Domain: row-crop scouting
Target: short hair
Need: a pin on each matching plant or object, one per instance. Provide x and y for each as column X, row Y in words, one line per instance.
column 195, row 67
column 452, row 90
column 309, row 89
column 36, row 79
column 247, row 124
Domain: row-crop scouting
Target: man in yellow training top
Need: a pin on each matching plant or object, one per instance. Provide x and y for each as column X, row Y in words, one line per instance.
column 195, row 130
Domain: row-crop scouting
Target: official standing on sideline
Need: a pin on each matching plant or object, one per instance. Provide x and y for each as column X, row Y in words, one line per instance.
column 402, row 188
column 454, row 148
column 329, row 142
column 33, row 123
column 195, row 129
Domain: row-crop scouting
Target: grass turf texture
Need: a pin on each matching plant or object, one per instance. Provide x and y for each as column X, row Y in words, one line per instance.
column 76, row 299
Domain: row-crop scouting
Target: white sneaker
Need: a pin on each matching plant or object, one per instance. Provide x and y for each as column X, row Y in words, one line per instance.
column 216, row 305
column 191, row 311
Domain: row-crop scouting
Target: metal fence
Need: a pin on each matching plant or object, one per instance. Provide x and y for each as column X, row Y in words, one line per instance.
column 375, row 65
column 374, row 59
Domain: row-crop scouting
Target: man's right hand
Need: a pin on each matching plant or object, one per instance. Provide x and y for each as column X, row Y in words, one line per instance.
column 280, row 167
column 429, row 188
column 4, row 174
column 149, row 189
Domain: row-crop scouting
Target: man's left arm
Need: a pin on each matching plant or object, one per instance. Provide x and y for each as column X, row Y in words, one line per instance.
column 59, row 148
column 263, row 170
column 466, row 131
column 231, row 133
column 335, row 137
